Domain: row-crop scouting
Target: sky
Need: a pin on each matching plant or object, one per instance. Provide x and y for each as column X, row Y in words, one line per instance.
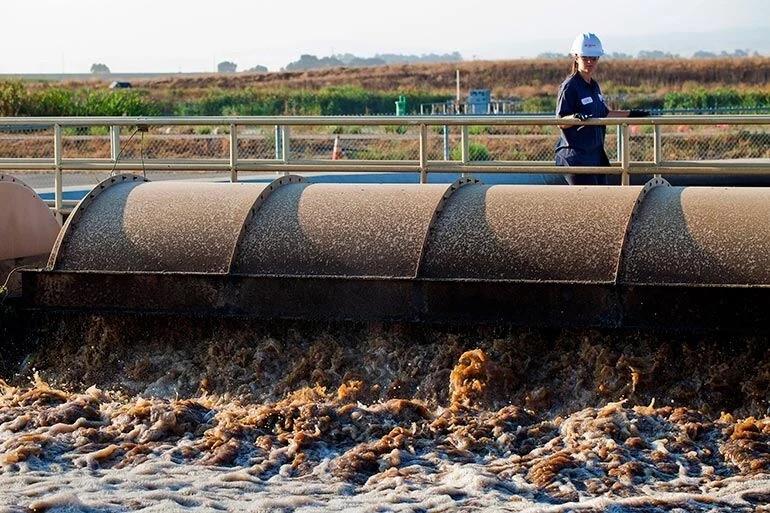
column 58, row 36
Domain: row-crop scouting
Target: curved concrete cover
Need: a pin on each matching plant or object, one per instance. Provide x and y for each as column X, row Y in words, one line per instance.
column 531, row 233
column 492, row 233
column 701, row 235
column 27, row 227
column 339, row 230
column 159, row 226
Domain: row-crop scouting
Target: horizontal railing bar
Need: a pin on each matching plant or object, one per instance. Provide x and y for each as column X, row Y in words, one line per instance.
column 477, row 167
column 65, row 203
column 761, row 164
column 453, row 120
column 670, row 167
column 384, row 167
column 703, row 170
column 88, row 165
column 27, row 164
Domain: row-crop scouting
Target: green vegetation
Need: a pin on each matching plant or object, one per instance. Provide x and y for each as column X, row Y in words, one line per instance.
column 16, row 100
column 723, row 97
column 475, row 152
column 24, row 99
column 539, row 104
column 345, row 100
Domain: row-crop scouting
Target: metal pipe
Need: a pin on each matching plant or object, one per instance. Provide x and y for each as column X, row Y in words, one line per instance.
column 447, row 152
column 277, row 142
column 464, row 149
column 625, row 179
column 423, row 154
column 114, row 143
column 57, row 158
column 285, row 146
column 233, row 152
column 656, row 148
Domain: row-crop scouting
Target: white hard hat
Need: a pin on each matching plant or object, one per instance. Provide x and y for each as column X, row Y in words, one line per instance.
column 587, row 45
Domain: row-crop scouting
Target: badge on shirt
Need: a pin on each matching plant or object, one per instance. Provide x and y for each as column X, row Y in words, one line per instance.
column 586, row 100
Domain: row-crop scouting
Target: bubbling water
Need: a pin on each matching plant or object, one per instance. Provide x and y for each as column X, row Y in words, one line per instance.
column 162, row 416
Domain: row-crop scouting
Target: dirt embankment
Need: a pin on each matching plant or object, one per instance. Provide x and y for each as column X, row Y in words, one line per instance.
column 522, row 77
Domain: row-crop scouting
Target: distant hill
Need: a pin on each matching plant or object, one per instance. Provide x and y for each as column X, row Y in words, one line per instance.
column 523, row 78
column 307, row 61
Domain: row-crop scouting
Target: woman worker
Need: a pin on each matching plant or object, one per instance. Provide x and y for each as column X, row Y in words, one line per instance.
column 580, row 98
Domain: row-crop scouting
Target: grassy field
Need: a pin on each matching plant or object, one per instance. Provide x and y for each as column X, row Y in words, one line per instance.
column 674, row 83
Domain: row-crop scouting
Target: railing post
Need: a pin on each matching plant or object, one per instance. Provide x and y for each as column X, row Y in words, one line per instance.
column 625, row 178
column 618, row 143
column 423, row 153
column 57, row 161
column 114, row 143
column 233, row 152
column 464, row 147
column 446, row 143
column 285, row 145
column 278, row 143
column 656, row 148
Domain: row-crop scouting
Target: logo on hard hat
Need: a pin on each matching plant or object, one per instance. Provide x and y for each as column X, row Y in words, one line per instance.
column 587, row 44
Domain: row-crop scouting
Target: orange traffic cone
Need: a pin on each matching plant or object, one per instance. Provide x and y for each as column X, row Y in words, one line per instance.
column 337, row 151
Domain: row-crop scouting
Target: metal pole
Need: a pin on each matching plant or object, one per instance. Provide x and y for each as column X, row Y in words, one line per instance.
column 277, row 142
column 233, row 152
column 114, row 142
column 625, row 178
column 57, row 158
column 423, row 153
column 464, row 147
column 285, row 145
column 458, row 86
column 656, row 148
column 446, row 142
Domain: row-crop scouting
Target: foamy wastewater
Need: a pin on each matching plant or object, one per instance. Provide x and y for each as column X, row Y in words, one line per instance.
column 313, row 450
column 168, row 487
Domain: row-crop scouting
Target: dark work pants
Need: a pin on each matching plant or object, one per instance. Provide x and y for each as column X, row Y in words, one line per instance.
column 568, row 159
column 576, row 179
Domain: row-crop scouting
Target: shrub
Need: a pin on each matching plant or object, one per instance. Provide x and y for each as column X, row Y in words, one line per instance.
column 476, row 151
column 539, row 104
column 327, row 101
column 55, row 101
column 723, row 97
column 13, row 98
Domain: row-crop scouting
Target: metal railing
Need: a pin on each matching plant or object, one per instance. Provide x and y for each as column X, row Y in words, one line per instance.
column 283, row 162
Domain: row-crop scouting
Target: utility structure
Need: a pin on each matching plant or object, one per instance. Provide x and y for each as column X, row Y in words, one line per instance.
column 461, row 253
column 477, row 102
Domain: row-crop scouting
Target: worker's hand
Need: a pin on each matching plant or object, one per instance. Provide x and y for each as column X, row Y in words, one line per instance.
column 637, row 113
column 581, row 116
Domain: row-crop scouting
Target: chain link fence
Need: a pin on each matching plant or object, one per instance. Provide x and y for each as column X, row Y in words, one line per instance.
column 204, row 144
column 486, row 143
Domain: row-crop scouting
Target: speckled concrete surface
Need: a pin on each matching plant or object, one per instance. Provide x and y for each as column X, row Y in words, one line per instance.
column 530, row 233
column 714, row 235
column 678, row 235
column 160, row 226
column 340, row 229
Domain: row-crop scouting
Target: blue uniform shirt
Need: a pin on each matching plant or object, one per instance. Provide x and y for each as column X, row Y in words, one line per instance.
column 583, row 147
